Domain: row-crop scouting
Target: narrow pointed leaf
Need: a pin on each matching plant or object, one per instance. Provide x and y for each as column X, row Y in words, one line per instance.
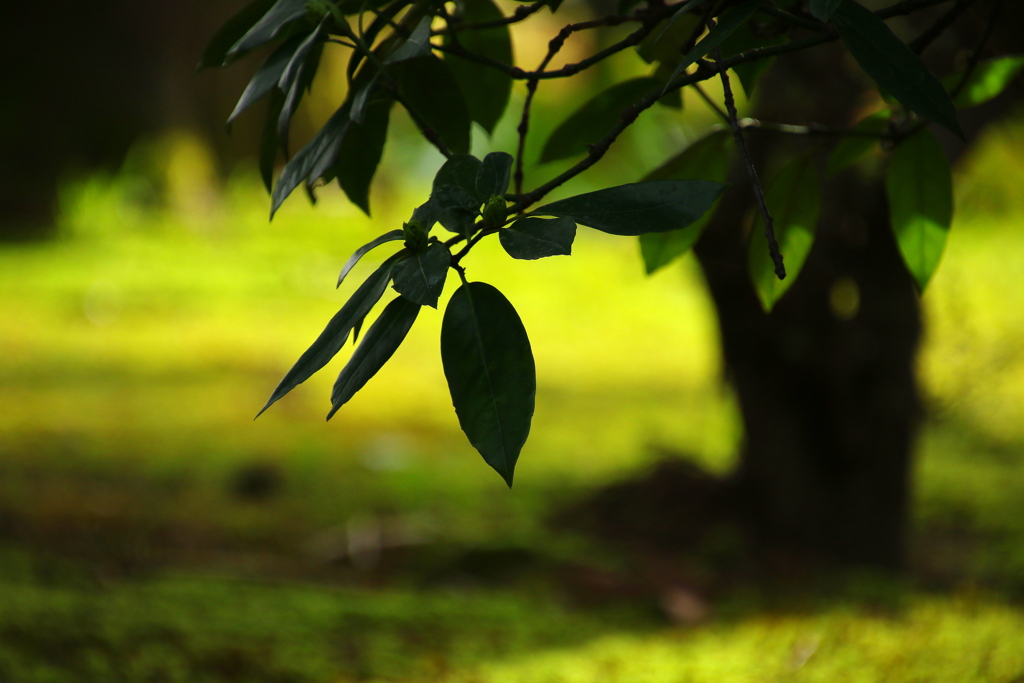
column 267, row 76
column 533, row 238
column 893, row 65
column 216, row 52
column 852, row 148
column 360, row 153
column 485, row 89
column 728, row 22
column 433, row 97
column 491, row 373
column 706, row 159
column 324, row 145
column 417, row 44
column 393, row 236
column 336, row 333
column 595, row 119
column 298, row 75
column 824, row 9
column 638, row 208
column 269, row 26
column 269, row 145
column 988, row 80
column 420, row 278
column 794, row 200
column 920, row 187
column 380, row 343
column 494, row 174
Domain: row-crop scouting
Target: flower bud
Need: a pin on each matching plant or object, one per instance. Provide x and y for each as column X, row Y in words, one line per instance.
column 495, row 211
column 415, row 235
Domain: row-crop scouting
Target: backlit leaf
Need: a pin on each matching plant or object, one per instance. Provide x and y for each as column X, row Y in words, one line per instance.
column 485, row 89
column 920, row 187
column 334, row 335
column 988, row 80
column 380, row 343
column 706, row 159
column 491, row 374
column 893, row 65
column 595, row 119
column 420, row 278
column 533, row 238
column 794, row 200
column 638, row 208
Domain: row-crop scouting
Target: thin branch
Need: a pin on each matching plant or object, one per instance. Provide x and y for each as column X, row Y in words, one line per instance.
column 921, row 43
column 520, row 13
column 737, row 133
column 711, row 103
column 810, row 129
column 790, row 18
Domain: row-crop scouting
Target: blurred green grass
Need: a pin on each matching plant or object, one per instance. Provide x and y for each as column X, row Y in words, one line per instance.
column 154, row 532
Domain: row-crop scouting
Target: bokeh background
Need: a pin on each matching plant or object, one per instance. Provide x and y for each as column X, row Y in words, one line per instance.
column 150, row 530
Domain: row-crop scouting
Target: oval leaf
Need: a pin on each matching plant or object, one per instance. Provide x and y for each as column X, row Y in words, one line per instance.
column 491, row 374
column 893, row 65
column 533, row 238
column 794, row 200
column 434, row 99
column 380, row 343
column 639, row 208
column 420, row 278
column 334, row 335
column 595, row 119
column 706, row 159
column 493, row 176
column 392, row 236
column 920, row 187
column 485, row 89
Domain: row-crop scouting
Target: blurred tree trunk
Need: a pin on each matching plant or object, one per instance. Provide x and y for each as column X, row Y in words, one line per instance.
column 826, row 382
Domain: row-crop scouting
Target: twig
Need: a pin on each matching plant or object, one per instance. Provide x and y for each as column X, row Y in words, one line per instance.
column 520, row 13
column 921, row 43
column 710, row 102
column 737, row 133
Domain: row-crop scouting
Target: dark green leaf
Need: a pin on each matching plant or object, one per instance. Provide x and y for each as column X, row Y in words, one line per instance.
column 269, row 26
column 731, row 19
column 216, row 52
column 334, row 335
column 493, row 176
column 460, row 171
column 426, row 214
column 434, row 99
column 491, row 374
column 320, row 152
column 457, row 210
column 988, row 80
column 269, row 145
column 392, row 236
column 794, row 200
column 380, row 343
column 744, row 39
column 363, row 97
column 360, row 152
column 852, row 148
column 533, row 238
column 638, row 208
column 706, row 159
column 382, row 20
column 420, row 278
column 893, row 65
column 298, row 76
column 824, row 9
column 673, row 99
column 920, row 187
column 485, row 89
column 416, row 45
column 663, row 44
column 267, row 76
column 595, row 119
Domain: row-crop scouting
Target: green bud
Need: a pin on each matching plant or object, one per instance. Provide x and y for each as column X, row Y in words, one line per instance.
column 415, row 235
column 495, row 211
